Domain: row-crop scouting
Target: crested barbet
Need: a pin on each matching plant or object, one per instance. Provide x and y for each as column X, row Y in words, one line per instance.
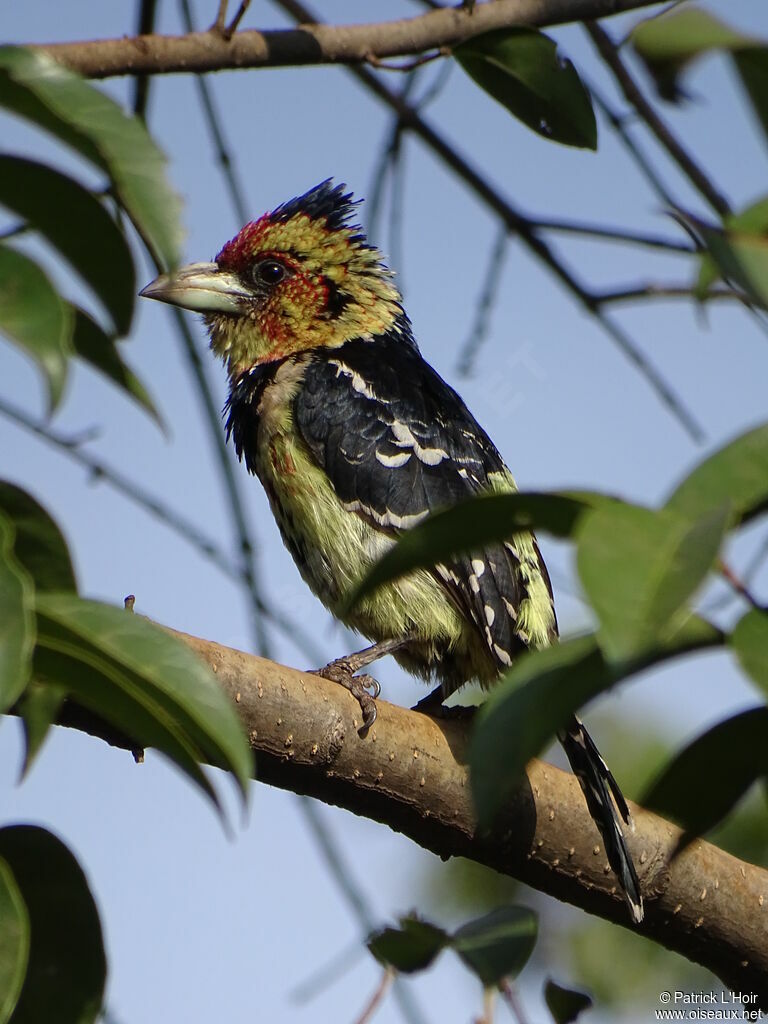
column 356, row 438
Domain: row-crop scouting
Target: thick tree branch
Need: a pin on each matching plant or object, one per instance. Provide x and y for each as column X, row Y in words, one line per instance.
column 410, row 773
column 319, row 44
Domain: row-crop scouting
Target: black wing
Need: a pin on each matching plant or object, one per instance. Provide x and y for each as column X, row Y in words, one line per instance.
column 398, row 443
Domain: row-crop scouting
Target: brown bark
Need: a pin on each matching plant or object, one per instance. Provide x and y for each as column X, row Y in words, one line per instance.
column 319, row 44
column 410, row 773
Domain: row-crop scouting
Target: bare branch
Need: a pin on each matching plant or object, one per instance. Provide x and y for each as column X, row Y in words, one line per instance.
column 319, row 44
column 411, row 773
column 610, row 55
column 666, row 291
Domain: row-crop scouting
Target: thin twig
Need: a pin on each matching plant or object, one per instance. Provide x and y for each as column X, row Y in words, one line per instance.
column 342, row 873
column 221, row 17
column 381, row 990
column 637, row 238
column 665, row 291
column 243, row 532
column 15, row 230
column 737, row 584
column 509, row 993
column 485, row 303
column 214, row 126
column 521, row 225
column 232, row 26
column 141, row 83
column 411, row 65
column 611, row 57
column 617, row 122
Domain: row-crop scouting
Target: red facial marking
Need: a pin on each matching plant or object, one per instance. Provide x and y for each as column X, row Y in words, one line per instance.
column 240, row 250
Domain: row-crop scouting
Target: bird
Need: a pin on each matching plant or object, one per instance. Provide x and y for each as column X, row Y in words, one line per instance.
column 356, row 438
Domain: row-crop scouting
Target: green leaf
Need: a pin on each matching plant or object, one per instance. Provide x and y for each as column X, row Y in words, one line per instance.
column 749, row 640
column 497, row 945
column 34, row 316
column 706, row 779
column 78, row 226
column 752, row 66
column 17, row 622
column 162, row 693
column 639, row 568
column 737, row 473
column 39, row 707
column 537, row 696
column 99, row 350
column 472, row 524
column 14, row 942
column 409, row 948
column 751, row 221
column 521, row 68
column 38, row 544
column 669, row 43
column 67, row 967
column 741, row 258
column 565, row 1004
column 35, row 87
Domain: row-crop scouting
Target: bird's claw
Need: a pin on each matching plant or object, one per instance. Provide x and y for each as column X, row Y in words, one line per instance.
column 341, row 672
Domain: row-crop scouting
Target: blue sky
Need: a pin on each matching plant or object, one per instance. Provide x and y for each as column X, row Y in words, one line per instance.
column 201, row 927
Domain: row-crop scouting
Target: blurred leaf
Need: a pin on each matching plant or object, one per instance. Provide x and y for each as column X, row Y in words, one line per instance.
column 741, row 258
column 521, row 68
column 667, row 44
column 33, row 314
column 639, row 567
column 35, row 87
column 708, row 777
column 752, row 65
column 67, row 967
column 39, row 707
column 409, row 948
column 497, row 945
column 472, row 524
column 14, row 942
column 17, row 621
column 737, row 473
column 752, row 220
column 38, row 544
column 750, row 642
column 94, row 346
column 538, row 694
column 76, row 224
column 162, row 693
column 564, row 1004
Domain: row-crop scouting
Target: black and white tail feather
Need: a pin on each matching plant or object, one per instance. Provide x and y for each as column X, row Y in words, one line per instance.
column 604, row 799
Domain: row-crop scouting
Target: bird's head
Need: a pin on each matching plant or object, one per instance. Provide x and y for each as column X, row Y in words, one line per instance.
column 300, row 277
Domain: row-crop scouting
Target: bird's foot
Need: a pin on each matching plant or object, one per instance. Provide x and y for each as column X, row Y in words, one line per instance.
column 342, row 671
column 433, row 706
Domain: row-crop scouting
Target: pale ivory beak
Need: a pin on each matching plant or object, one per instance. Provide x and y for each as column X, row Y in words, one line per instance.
column 201, row 287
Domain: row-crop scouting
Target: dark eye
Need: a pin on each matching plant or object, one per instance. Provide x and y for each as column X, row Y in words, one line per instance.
column 268, row 272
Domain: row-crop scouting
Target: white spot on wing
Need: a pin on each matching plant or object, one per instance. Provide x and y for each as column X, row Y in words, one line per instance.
column 511, row 610
column 359, row 383
column 404, row 439
column 478, row 566
column 490, row 614
column 502, row 655
column 474, row 586
column 393, row 461
column 387, row 518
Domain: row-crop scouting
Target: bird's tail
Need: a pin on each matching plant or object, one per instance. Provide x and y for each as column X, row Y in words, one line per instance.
column 604, row 798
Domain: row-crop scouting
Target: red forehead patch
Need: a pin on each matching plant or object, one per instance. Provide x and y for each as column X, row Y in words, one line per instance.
column 241, row 249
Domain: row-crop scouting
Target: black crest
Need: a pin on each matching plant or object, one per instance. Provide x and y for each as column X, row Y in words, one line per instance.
column 325, row 201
